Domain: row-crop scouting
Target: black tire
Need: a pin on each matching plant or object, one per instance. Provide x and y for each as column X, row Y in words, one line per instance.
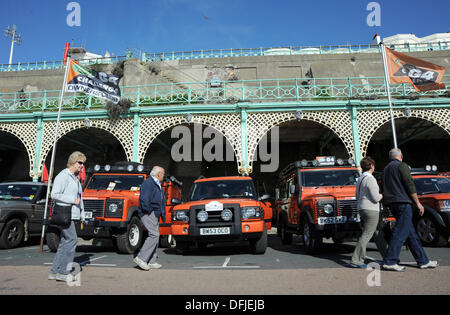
column 286, row 238
column 182, row 247
column 13, row 234
column 337, row 240
column 259, row 245
column 130, row 240
column 166, row 241
column 429, row 232
column 312, row 239
column 52, row 238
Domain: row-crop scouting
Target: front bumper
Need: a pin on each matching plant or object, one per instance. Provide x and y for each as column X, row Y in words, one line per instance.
column 246, row 230
column 339, row 227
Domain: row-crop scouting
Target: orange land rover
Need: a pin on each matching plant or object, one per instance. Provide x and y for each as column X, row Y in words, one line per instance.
column 111, row 200
column 222, row 209
column 433, row 190
column 316, row 199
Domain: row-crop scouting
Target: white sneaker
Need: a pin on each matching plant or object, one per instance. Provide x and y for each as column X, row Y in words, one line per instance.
column 65, row 278
column 393, row 267
column 141, row 264
column 52, row 276
column 431, row 264
column 154, row 266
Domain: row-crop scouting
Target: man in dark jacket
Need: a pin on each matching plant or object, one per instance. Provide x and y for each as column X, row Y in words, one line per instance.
column 152, row 206
column 399, row 194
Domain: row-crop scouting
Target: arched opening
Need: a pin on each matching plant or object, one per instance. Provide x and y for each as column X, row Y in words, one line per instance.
column 99, row 146
column 421, row 141
column 189, row 151
column 295, row 140
column 14, row 159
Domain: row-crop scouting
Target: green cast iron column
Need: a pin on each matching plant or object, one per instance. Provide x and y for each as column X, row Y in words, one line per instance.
column 355, row 131
column 244, row 138
column 137, row 120
column 37, row 151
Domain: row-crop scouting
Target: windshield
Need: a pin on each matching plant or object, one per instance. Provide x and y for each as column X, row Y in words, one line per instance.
column 223, row 189
column 432, row 185
column 22, row 192
column 116, row 182
column 329, row 178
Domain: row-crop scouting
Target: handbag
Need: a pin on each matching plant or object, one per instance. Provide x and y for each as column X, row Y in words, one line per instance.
column 61, row 215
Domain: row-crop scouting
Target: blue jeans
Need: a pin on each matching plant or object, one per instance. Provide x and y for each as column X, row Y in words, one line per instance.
column 66, row 250
column 404, row 232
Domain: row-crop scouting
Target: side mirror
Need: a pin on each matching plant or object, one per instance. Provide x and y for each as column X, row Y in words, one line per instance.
column 265, row 197
column 292, row 189
column 176, row 201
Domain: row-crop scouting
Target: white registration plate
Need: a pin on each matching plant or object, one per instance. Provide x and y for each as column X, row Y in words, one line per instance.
column 215, row 231
column 88, row 215
column 332, row 220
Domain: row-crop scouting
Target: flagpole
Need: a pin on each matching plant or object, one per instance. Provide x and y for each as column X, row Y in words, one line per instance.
column 388, row 90
column 53, row 154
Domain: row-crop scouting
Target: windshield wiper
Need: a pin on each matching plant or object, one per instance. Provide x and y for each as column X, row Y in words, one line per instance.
column 211, row 197
column 429, row 192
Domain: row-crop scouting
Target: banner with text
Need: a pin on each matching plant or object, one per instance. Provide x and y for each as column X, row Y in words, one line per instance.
column 423, row 75
column 91, row 82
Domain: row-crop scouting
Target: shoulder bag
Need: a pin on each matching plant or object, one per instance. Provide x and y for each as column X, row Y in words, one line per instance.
column 61, row 215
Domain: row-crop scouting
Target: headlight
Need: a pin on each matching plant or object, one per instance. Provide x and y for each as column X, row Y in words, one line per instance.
column 444, row 205
column 181, row 216
column 97, row 168
column 140, row 168
column 107, row 167
column 250, row 213
column 114, row 208
column 227, row 215
column 328, row 208
column 202, row 216
column 130, row 168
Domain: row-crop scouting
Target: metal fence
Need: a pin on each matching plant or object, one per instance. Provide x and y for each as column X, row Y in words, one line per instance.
column 269, row 90
column 225, row 53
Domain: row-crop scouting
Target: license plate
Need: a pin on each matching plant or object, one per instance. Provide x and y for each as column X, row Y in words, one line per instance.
column 215, row 231
column 88, row 215
column 332, row 220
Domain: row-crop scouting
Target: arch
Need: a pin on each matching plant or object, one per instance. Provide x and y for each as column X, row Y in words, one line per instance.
column 259, row 125
column 27, row 138
column 120, row 129
column 369, row 121
column 228, row 125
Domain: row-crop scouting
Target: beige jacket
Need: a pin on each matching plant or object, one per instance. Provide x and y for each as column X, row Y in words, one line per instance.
column 368, row 193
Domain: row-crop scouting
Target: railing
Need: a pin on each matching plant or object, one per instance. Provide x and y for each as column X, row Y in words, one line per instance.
column 52, row 65
column 279, row 90
column 291, row 50
column 224, row 53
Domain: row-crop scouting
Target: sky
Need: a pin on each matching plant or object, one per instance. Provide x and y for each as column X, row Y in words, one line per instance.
column 186, row 25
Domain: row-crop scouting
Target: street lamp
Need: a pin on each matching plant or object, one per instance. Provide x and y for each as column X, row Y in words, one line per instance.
column 15, row 38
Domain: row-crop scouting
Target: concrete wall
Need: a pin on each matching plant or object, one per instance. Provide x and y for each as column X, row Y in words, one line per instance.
column 247, row 68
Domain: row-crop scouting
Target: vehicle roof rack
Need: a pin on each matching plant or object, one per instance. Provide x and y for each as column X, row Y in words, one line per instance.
column 314, row 164
column 422, row 171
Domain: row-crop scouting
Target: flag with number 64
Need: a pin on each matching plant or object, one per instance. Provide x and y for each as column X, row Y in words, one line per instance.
column 423, row 75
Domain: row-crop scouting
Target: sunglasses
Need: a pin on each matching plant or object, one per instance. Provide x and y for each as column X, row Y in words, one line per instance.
column 80, row 162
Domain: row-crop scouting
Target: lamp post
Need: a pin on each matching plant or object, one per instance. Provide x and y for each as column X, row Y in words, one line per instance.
column 15, row 38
